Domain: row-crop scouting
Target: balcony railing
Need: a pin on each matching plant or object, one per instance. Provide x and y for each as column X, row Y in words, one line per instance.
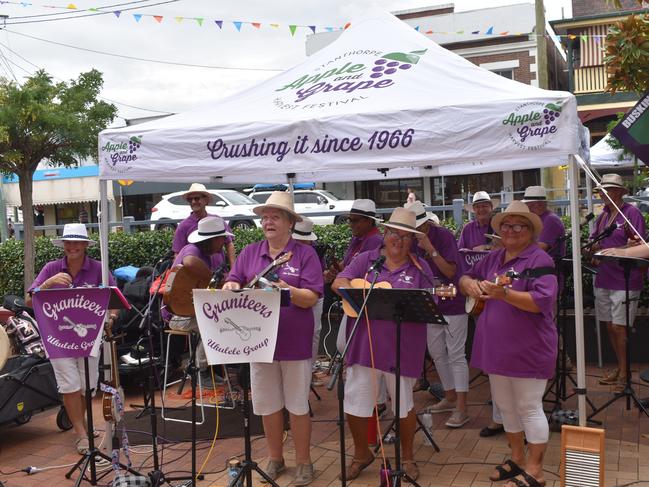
column 591, row 79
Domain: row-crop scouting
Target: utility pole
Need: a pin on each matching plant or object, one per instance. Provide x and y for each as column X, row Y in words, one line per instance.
column 541, row 46
column 4, row 231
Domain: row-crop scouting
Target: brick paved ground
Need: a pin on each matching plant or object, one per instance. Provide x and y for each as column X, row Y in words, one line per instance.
column 465, row 458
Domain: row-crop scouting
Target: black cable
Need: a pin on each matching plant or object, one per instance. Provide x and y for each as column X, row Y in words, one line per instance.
column 11, row 473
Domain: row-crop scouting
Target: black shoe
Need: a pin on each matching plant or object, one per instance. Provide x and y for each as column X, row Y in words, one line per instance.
column 486, row 432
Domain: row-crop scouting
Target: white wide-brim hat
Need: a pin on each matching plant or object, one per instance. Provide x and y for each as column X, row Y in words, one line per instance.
column 363, row 207
column 535, row 193
column 208, row 227
column 304, row 230
column 611, row 180
column 403, row 219
column 73, row 232
column 421, row 215
column 280, row 200
column 482, row 197
column 518, row 208
column 197, row 188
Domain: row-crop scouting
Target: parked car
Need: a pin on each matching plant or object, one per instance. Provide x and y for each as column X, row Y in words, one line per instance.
column 643, row 205
column 309, row 201
column 226, row 203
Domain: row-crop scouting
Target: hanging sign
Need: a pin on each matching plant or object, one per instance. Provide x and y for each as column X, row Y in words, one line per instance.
column 633, row 129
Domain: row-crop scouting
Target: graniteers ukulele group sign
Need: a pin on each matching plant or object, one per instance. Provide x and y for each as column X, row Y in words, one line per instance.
column 237, row 326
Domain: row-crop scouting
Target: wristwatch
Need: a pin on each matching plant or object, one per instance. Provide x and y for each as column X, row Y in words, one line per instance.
column 434, row 253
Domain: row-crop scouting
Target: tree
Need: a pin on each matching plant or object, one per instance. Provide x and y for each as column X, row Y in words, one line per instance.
column 43, row 120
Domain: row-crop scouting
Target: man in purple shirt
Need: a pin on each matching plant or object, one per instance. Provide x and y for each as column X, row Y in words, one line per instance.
column 198, row 198
column 446, row 343
column 609, row 281
column 75, row 269
column 473, row 236
column 553, row 236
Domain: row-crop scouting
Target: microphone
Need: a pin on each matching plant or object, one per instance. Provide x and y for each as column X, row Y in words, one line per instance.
column 377, row 265
column 610, row 229
column 166, row 256
column 586, row 219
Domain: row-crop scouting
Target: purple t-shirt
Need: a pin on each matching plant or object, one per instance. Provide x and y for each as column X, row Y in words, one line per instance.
column 473, row 234
column 553, row 230
column 88, row 275
column 509, row 341
column 303, row 271
column 609, row 274
column 187, row 226
column 413, row 335
column 372, row 240
column 444, row 242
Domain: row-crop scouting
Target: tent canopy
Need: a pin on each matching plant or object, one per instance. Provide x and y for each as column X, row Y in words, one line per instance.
column 602, row 155
column 381, row 96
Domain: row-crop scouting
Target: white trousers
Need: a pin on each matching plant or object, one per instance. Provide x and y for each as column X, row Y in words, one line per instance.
column 317, row 321
column 520, row 402
column 446, row 344
column 361, row 394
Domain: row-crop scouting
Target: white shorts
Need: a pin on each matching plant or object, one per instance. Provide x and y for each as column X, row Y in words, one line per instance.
column 70, row 375
column 362, row 391
column 283, row 383
column 610, row 307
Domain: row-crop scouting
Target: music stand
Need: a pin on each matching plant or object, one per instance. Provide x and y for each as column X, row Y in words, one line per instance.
column 397, row 305
column 627, row 264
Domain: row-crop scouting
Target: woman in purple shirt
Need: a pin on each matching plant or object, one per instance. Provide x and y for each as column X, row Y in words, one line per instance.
column 516, row 339
column 365, row 366
column 75, row 269
column 284, row 383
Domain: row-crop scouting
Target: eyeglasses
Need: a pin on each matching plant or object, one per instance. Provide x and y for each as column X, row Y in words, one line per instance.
column 516, row 227
column 395, row 235
column 194, row 198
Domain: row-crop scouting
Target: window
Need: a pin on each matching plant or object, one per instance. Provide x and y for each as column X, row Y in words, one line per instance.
column 525, row 178
column 306, row 198
column 445, row 190
column 178, row 200
column 505, row 73
column 390, row 193
column 260, row 197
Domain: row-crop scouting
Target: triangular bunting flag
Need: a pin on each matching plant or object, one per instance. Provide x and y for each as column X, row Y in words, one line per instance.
column 292, row 28
column 490, row 31
column 256, row 25
column 274, row 25
column 25, row 4
column 475, row 32
column 584, row 37
column 93, row 9
column 347, row 25
column 460, row 32
column 237, row 24
column 429, row 32
column 219, row 23
column 417, row 28
column 71, row 6
column 158, row 18
column 199, row 20
column 572, row 37
column 117, row 13
column 137, row 17
column 312, row 27
column 504, row 33
column 179, row 19
column 329, row 29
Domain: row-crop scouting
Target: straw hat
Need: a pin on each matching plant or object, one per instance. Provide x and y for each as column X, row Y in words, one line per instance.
column 535, row 193
column 73, row 232
column 208, row 227
column 517, row 208
column 198, row 188
column 304, row 230
column 421, row 215
column 611, row 180
column 366, row 208
column 482, row 197
column 280, row 200
column 403, row 219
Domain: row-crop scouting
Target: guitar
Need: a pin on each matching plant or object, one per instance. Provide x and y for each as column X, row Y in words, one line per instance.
column 181, row 282
column 443, row 292
column 109, row 401
column 260, row 280
column 474, row 306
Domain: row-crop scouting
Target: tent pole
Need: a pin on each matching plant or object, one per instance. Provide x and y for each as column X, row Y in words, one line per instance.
column 576, row 272
column 103, row 218
column 591, row 227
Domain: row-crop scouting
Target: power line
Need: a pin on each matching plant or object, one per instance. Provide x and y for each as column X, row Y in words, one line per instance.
column 77, row 11
column 133, row 58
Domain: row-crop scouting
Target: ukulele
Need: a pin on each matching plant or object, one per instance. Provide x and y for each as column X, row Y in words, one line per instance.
column 449, row 291
column 260, row 280
column 109, row 402
column 474, row 306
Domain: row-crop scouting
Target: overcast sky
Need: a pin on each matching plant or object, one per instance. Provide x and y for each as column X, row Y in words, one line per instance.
column 169, row 88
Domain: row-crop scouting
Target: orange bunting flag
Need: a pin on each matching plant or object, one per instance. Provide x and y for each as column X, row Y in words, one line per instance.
column 572, row 37
column 347, row 25
column 429, row 32
column 158, row 18
column 292, row 28
column 504, row 33
column 256, row 25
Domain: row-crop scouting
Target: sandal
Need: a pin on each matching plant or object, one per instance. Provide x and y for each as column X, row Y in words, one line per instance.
column 524, row 479
column 410, row 468
column 355, row 468
column 82, row 446
column 505, row 474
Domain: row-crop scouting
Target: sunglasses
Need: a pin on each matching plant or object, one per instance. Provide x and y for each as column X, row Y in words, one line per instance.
column 194, row 198
column 516, row 227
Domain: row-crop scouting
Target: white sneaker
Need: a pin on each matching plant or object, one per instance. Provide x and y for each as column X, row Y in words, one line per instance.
column 457, row 419
column 444, row 406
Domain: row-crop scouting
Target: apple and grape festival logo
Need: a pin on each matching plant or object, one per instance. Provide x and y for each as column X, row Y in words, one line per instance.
column 119, row 154
column 348, row 77
column 533, row 124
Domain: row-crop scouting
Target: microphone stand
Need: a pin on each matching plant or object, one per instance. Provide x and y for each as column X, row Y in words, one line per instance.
column 337, row 376
column 604, row 234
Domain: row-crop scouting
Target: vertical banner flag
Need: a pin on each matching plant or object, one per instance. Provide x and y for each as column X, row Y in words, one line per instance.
column 633, row 129
column 71, row 320
column 238, row 326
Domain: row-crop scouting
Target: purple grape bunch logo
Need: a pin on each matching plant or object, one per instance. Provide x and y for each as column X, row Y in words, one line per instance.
column 394, row 61
column 550, row 113
column 533, row 125
column 134, row 144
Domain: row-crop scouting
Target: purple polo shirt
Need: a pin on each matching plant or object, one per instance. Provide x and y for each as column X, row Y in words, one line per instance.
column 413, row 335
column 187, row 226
column 444, row 242
column 88, row 275
column 303, row 271
column 609, row 274
column 509, row 341
column 553, row 230
column 473, row 234
column 372, row 240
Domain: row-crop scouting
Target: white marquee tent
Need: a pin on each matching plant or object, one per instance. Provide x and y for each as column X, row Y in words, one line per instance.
column 381, row 96
column 603, row 156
